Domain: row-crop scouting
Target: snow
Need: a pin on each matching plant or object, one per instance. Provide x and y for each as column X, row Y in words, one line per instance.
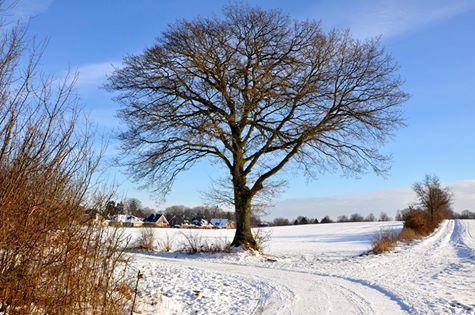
column 314, row 269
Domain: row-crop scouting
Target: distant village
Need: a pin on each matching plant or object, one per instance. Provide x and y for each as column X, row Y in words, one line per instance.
column 131, row 213
column 160, row 220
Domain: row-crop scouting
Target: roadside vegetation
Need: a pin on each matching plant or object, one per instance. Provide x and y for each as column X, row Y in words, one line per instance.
column 52, row 260
column 422, row 218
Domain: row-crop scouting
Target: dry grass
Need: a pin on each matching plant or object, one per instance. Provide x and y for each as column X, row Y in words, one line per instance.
column 166, row 243
column 146, row 239
column 196, row 243
column 384, row 241
column 408, row 234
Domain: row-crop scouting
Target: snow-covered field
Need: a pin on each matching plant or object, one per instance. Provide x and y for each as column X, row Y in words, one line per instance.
column 314, row 269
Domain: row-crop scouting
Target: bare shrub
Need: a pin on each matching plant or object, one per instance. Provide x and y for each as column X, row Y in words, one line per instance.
column 217, row 245
column 196, row 243
column 433, row 206
column 384, row 241
column 418, row 220
column 262, row 237
column 146, row 240
column 51, row 261
column 193, row 242
column 166, row 243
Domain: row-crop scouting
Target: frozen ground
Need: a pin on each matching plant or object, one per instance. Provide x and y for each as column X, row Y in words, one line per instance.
column 315, row 269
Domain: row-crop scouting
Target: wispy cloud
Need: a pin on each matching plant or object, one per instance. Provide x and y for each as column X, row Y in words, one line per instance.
column 389, row 200
column 25, row 9
column 89, row 76
column 390, row 18
column 89, row 82
column 95, row 73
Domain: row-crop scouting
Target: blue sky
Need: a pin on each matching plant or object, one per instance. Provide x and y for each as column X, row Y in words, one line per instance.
column 432, row 40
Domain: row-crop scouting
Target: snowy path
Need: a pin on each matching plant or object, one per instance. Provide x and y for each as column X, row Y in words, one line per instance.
column 300, row 292
column 433, row 276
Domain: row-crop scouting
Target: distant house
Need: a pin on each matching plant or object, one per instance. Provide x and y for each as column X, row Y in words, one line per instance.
column 125, row 220
column 223, row 223
column 178, row 221
column 156, row 219
column 199, row 221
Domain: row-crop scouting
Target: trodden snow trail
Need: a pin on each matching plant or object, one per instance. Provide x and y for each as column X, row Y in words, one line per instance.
column 297, row 292
column 435, row 275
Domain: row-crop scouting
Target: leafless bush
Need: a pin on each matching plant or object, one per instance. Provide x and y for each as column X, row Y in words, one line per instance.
column 419, row 221
column 51, row 261
column 196, row 243
column 146, row 240
column 193, row 242
column 262, row 237
column 166, row 243
column 384, row 241
column 217, row 245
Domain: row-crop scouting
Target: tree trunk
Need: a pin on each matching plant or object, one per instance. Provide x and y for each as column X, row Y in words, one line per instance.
column 243, row 236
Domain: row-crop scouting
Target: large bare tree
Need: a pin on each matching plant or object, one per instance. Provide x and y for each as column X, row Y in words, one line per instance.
column 256, row 91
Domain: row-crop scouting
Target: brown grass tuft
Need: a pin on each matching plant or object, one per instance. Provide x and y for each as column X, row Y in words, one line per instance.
column 384, row 241
column 408, row 234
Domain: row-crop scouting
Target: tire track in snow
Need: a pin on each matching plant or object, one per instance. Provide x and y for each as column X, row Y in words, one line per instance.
column 340, row 295
column 429, row 276
column 433, row 275
column 463, row 241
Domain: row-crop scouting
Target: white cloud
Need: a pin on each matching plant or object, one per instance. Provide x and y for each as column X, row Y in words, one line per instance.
column 95, row 73
column 92, row 75
column 390, row 18
column 25, row 9
column 389, row 200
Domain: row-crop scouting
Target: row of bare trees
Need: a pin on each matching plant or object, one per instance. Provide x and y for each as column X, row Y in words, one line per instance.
column 50, row 262
column 355, row 217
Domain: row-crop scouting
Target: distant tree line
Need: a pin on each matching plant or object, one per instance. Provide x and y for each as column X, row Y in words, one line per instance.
column 207, row 212
column 465, row 215
column 132, row 206
column 355, row 217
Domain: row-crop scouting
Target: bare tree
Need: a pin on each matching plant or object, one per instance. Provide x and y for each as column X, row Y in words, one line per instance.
column 370, row 218
column 256, row 91
column 383, row 216
column 134, row 207
column 433, row 198
column 280, row 222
